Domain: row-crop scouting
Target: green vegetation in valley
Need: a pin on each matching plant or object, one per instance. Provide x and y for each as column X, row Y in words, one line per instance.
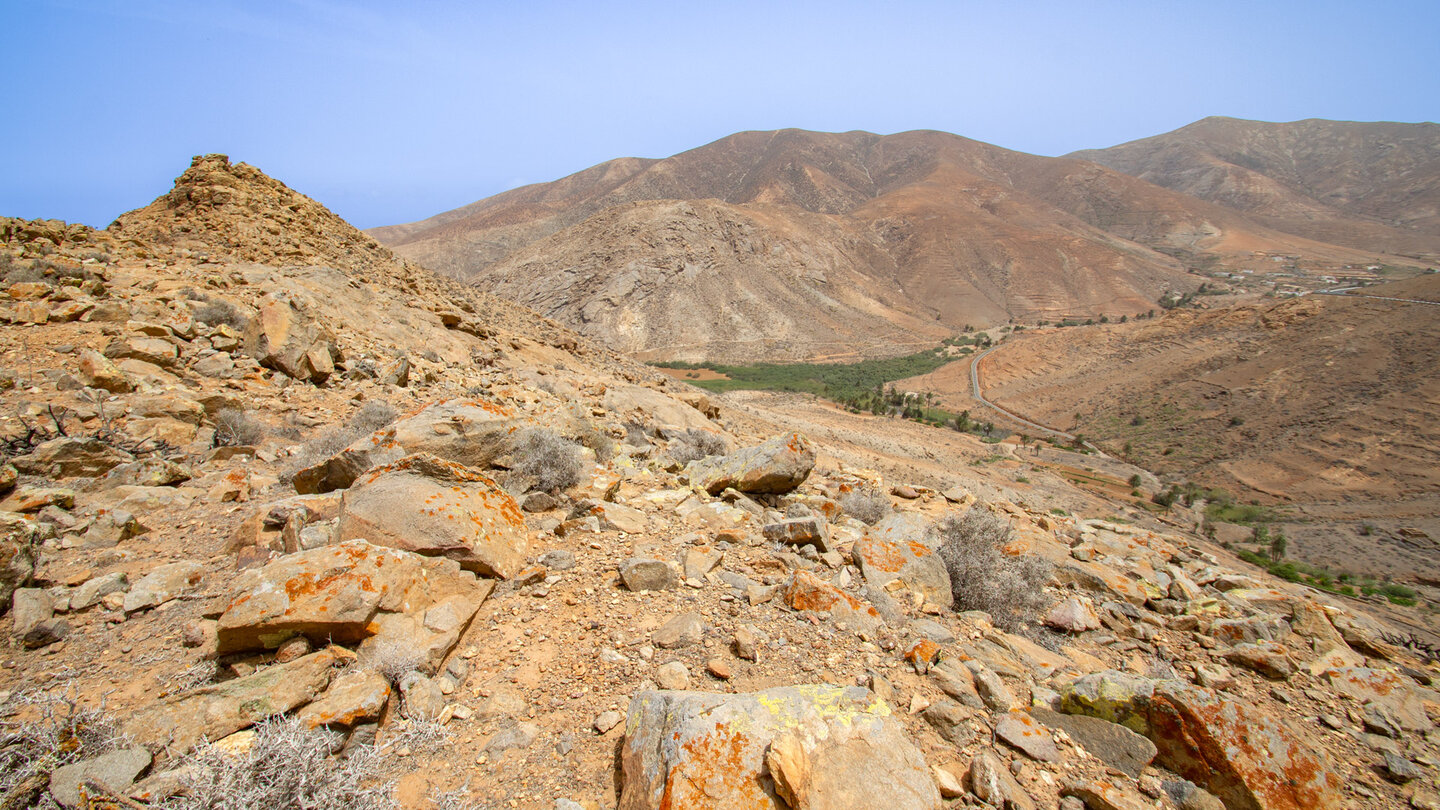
column 862, row 387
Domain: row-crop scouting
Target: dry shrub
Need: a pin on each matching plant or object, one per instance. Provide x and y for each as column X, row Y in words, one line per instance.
column 287, row 765
column 868, row 505
column 41, row 732
column 981, row 577
column 696, row 444
column 371, row 417
column 552, row 461
column 597, row 440
column 392, row 659
column 236, row 428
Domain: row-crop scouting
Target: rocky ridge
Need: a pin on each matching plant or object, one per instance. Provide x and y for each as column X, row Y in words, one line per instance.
column 211, row 525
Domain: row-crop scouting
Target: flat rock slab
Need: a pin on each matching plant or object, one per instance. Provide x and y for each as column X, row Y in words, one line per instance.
column 1021, row 732
column 212, row 712
column 114, row 771
column 883, row 560
column 809, row 593
column 1400, row 696
column 437, row 508
column 1112, row 743
column 813, row 746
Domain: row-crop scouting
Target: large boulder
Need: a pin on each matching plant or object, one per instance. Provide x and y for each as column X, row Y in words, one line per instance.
column 812, row 747
column 778, row 465
column 181, row 721
column 1397, row 694
column 348, row 593
column 71, row 458
column 286, row 336
column 1252, row 761
column 19, row 552
column 651, row 407
column 808, row 593
column 473, row 432
column 437, row 508
column 884, row 560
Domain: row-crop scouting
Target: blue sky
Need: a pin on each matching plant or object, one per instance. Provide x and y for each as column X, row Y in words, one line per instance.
column 389, row 112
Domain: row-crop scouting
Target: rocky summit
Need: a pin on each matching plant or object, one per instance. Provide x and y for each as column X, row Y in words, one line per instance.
column 288, row 521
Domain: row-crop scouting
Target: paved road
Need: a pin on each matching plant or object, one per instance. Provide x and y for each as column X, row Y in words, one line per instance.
column 976, row 392
column 1344, row 292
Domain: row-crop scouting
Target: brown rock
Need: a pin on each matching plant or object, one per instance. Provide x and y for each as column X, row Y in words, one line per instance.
column 778, row 465
column 287, row 336
column 990, row 780
column 807, row 592
column 439, row 508
column 96, row 371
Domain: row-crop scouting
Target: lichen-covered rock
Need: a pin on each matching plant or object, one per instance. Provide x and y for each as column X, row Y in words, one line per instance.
column 813, row 747
column 806, row 592
column 777, row 465
column 437, row 508
column 884, row 560
column 1400, row 696
column 344, row 593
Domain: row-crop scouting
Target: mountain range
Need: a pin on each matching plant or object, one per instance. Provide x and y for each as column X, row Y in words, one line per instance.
column 796, row 244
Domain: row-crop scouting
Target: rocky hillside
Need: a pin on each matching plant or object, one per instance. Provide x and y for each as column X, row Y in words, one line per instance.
column 348, row 534
column 1372, row 186
column 879, row 241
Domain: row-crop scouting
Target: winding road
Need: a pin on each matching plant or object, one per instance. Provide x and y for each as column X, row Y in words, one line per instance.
column 979, row 396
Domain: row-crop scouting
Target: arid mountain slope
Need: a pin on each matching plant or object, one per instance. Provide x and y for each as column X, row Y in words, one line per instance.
column 1320, row 398
column 918, row 228
column 1371, row 186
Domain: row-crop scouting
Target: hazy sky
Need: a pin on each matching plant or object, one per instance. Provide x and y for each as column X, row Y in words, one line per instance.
column 391, row 111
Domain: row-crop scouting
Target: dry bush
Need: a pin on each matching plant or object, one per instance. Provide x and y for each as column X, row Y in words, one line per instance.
column 695, row 445
column 551, row 460
column 392, row 659
column 869, row 505
column 236, row 428
column 372, row 416
column 981, row 577
column 287, row 765
column 41, row 732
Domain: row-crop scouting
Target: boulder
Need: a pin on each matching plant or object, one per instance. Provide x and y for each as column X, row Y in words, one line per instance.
column 813, row 747
column 162, row 584
column 990, row 780
column 30, row 608
column 1266, row 657
column 153, row 350
column 285, row 335
column 916, row 565
column 1021, row 732
column 1072, row 616
column 71, row 458
column 613, row 517
column 473, row 432
column 19, row 553
column 181, row 721
column 1247, row 758
column 96, row 371
column 351, row 592
column 643, row 574
column 656, row 409
column 800, row 531
column 437, row 508
column 1111, row 743
column 809, row 593
column 1399, row 695
column 775, row 466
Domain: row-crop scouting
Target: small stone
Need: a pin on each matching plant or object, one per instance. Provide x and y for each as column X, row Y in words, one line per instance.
column 292, row 649
column 682, row 631
column 949, row 784
column 642, row 574
column 719, row 668
column 1401, row 770
column 1020, row 731
column 673, row 676
column 558, row 559
column 607, row 720
column 1073, row 616
column 747, row 643
column 520, row 735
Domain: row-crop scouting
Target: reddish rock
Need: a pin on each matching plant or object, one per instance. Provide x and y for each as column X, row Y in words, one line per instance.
column 808, row 593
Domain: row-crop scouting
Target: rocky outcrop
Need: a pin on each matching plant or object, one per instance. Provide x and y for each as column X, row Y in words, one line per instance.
column 287, row 336
column 349, row 593
column 437, row 508
column 473, row 432
column 19, row 551
column 814, row 747
column 777, row 465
